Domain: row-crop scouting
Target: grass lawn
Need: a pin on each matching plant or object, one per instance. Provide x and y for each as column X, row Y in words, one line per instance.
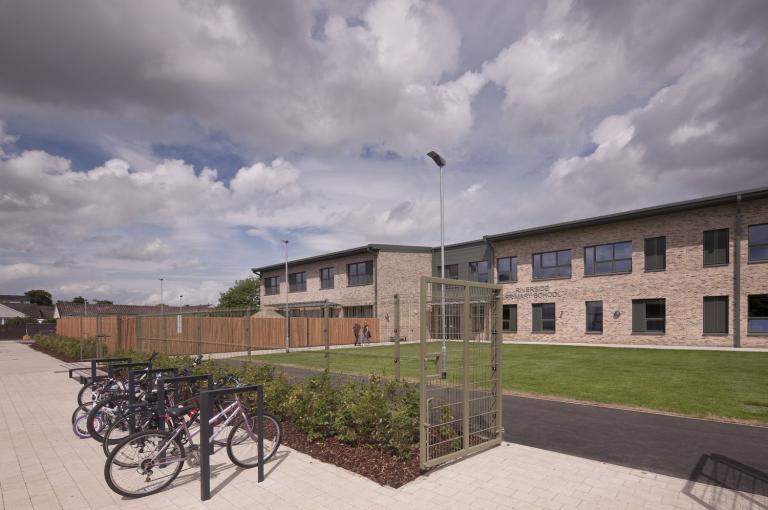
column 696, row 383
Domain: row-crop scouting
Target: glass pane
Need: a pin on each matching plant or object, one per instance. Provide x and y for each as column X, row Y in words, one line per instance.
column 622, row 250
column 654, row 310
column 758, row 306
column 589, row 260
column 548, row 311
column 564, row 257
column 604, row 252
column 758, row 234
column 549, row 259
column 565, row 272
column 758, row 326
column 504, row 265
column 549, row 272
column 758, row 253
column 514, row 268
column 623, row 266
column 548, row 325
column 603, row 267
column 536, row 261
column 656, row 325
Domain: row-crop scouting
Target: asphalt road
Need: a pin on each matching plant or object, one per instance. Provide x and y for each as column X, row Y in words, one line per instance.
column 701, row 450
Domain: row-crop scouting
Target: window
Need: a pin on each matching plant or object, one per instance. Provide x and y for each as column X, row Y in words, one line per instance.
column 451, row 271
column 507, row 269
column 757, row 314
column 297, row 282
column 360, row 273
column 326, row 277
column 656, row 254
column 758, row 242
column 649, row 315
column 608, row 258
column 552, row 264
column 509, row 318
column 478, row 271
column 716, row 247
column 716, row 315
column 272, row 285
column 544, row 317
column 364, row 311
column 594, row 316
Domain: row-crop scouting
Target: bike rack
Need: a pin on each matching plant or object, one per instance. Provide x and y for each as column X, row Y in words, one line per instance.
column 111, row 369
column 132, row 386
column 176, row 380
column 206, row 430
column 94, row 362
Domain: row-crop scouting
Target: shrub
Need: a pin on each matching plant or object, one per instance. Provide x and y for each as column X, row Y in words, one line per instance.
column 67, row 346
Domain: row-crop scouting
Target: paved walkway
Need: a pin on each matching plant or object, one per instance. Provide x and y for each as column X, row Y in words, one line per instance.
column 43, row 465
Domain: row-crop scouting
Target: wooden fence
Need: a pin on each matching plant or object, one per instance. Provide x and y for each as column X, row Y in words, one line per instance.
column 190, row 334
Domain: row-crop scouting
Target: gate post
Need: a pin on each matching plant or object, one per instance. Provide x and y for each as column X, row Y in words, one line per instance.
column 200, row 333
column 397, row 337
column 466, row 327
column 248, row 329
column 327, row 337
column 499, row 360
column 423, row 374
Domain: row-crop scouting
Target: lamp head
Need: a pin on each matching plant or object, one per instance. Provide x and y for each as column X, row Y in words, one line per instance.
column 437, row 158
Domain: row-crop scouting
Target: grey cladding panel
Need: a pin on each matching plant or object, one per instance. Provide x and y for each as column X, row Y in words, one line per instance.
column 461, row 256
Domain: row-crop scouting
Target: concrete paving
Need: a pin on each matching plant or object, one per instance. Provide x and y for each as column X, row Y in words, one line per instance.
column 43, row 465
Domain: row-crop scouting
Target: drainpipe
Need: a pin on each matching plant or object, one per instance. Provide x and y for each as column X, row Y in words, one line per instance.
column 375, row 282
column 737, row 276
column 491, row 260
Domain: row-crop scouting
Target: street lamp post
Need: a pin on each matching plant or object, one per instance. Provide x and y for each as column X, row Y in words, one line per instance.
column 162, row 306
column 287, row 316
column 440, row 162
column 180, row 296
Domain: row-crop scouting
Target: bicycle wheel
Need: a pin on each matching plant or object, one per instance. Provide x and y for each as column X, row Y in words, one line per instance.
column 242, row 443
column 80, row 428
column 81, row 395
column 143, row 419
column 137, row 474
column 109, row 410
column 82, row 410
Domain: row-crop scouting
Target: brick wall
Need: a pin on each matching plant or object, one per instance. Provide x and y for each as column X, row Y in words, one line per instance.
column 683, row 284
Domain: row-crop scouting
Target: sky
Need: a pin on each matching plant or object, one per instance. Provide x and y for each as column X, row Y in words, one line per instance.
column 185, row 139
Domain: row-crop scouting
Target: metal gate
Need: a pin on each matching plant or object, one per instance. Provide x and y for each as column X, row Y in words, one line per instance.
column 460, row 386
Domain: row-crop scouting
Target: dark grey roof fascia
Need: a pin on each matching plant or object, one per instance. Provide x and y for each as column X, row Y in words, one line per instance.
column 345, row 253
column 698, row 203
column 476, row 242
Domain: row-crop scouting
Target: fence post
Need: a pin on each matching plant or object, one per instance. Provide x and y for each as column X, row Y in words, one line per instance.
column 248, row 329
column 423, row 454
column 397, row 337
column 119, row 339
column 138, row 333
column 327, row 338
column 499, row 359
column 98, row 336
column 82, row 340
column 467, row 333
column 199, row 334
column 165, row 334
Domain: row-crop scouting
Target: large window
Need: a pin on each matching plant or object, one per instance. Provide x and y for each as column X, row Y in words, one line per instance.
column 544, row 317
column 715, row 315
column 509, row 319
column 552, row 264
column 608, row 258
column 478, row 271
column 451, row 271
column 757, row 314
column 506, row 268
column 594, row 316
column 364, row 311
column 272, row 285
column 326, row 277
column 716, row 247
column 656, row 254
column 649, row 315
column 297, row 282
column 758, row 242
column 360, row 273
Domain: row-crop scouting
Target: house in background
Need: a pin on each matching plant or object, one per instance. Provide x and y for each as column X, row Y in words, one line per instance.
column 8, row 298
column 67, row 309
column 21, row 310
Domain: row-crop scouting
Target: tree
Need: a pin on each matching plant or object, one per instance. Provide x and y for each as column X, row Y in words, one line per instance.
column 244, row 293
column 104, row 302
column 39, row 297
column 80, row 300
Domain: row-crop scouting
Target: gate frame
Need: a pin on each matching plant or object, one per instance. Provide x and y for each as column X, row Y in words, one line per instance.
column 496, row 360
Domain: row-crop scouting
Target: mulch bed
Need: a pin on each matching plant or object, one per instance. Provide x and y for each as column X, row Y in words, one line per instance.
column 379, row 466
column 54, row 354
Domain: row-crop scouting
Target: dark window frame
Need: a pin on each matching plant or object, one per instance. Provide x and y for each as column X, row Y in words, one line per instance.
column 360, row 279
column 359, row 312
column 750, row 318
column 324, row 279
column 645, row 329
column 613, row 260
column 588, row 322
column 272, row 290
column 506, row 310
column 704, row 316
column 715, row 233
column 750, row 245
column 297, row 282
column 652, row 242
column 448, row 268
column 512, row 270
column 553, row 319
column 557, row 265
column 473, row 272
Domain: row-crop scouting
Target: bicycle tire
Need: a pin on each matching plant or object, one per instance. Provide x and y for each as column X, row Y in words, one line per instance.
column 272, row 431
column 81, row 410
column 81, row 394
column 101, row 407
column 111, row 439
column 132, row 441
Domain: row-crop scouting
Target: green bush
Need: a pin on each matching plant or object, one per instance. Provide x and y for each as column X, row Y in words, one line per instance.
column 67, row 346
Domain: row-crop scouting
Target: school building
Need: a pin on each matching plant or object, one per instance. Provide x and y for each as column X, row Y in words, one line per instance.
column 687, row 273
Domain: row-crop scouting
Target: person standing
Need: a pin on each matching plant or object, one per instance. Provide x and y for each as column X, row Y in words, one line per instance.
column 366, row 334
column 356, row 332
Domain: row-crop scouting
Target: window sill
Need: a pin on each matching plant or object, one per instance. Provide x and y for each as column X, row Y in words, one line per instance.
column 717, row 265
column 757, row 334
column 326, row 288
column 649, row 333
column 593, row 332
column 550, row 279
column 715, row 334
column 296, row 291
column 508, row 332
column 543, row 332
column 359, row 284
column 655, row 270
column 606, row 274
column 505, row 282
column 757, row 261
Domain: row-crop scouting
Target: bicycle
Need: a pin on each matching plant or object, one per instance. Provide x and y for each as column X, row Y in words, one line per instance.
column 147, row 462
